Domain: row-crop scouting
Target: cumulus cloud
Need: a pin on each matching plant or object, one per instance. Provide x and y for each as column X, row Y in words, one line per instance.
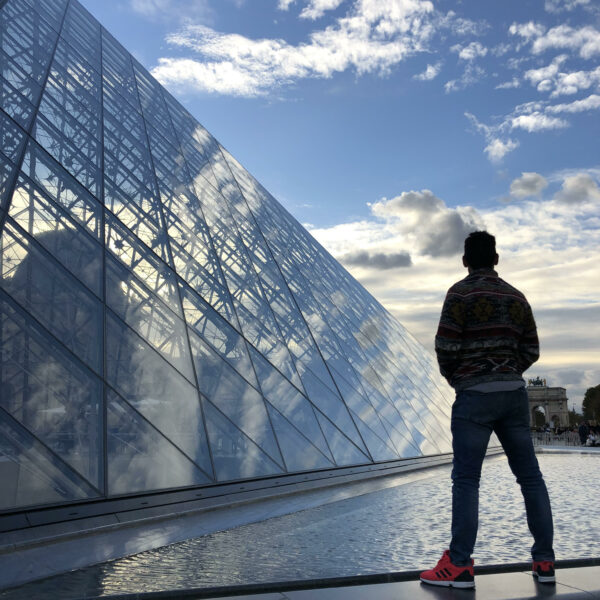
column 529, row 184
column 538, row 76
column 497, row 149
column 553, row 78
column 537, row 122
column 372, row 38
column 431, row 72
column 585, row 40
column 528, row 30
column 592, row 102
column 434, row 229
column 470, row 51
column 377, row 260
column 284, row 4
column 317, row 8
column 577, row 189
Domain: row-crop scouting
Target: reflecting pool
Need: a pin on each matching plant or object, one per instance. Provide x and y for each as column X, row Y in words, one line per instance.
column 393, row 529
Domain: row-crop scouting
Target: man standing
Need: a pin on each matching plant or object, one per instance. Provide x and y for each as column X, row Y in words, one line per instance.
column 486, row 339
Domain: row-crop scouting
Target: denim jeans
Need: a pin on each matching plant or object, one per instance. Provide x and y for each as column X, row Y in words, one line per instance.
column 474, row 416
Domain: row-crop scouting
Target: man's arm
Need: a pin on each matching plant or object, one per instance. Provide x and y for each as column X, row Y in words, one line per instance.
column 449, row 334
column 529, row 345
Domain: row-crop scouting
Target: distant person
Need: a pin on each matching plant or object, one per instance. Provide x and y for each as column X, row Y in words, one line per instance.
column 486, row 338
column 583, row 432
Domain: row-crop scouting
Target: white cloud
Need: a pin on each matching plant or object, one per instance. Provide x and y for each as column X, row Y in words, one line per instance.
column 586, row 40
column 471, row 75
column 497, row 149
column 527, row 30
column 556, row 6
column 535, row 76
column 577, row 189
column 427, row 223
column 571, row 83
column 285, row 4
column 592, row 102
column 431, row 72
column 537, row 122
column 373, row 38
column 317, row 8
column 529, row 184
column 507, row 85
column 470, row 51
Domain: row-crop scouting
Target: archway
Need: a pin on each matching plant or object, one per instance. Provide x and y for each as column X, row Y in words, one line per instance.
column 538, row 416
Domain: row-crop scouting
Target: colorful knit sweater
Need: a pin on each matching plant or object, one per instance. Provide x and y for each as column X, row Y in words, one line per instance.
column 486, row 332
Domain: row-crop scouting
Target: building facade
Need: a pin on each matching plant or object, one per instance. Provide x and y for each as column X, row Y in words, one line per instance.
column 165, row 323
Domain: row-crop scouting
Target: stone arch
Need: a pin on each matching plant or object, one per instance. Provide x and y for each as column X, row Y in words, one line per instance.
column 538, row 415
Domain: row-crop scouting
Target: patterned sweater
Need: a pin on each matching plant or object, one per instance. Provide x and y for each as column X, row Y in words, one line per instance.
column 486, row 332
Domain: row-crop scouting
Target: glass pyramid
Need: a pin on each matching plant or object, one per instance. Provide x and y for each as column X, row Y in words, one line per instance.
column 164, row 322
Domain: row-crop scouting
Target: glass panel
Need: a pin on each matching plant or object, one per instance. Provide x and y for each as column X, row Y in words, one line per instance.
column 344, row 451
column 80, row 126
column 289, row 402
column 14, row 104
column 69, row 155
column 360, row 406
column 234, row 454
column 51, row 228
column 50, row 394
column 63, row 189
column 203, row 284
column 30, row 474
column 155, row 389
column 218, row 333
column 194, row 239
column 139, row 223
column 11, row 138
column 331, row 405
column 140, row 459
column 377, row 448
column 299, row 454
column 12, row 73
column 148, row 316
column 51, row 10
column 51, row 295
column 152, row 272
column 233, row 396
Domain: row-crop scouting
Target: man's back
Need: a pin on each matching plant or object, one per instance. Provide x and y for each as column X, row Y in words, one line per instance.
column 486, row 333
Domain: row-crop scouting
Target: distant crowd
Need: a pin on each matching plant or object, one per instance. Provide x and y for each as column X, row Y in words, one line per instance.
column 589, row 435
column 584, row 434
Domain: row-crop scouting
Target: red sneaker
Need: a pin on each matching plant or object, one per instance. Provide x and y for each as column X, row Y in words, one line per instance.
column 544, row 571
column 449, row 575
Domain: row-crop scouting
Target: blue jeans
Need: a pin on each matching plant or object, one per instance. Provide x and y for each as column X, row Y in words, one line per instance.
column 474, row 416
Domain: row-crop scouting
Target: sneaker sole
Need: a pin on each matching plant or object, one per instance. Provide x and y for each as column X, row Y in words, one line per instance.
column 544, row 578
column 456, row 584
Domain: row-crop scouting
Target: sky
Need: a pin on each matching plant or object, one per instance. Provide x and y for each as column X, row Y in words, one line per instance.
column 393, row 128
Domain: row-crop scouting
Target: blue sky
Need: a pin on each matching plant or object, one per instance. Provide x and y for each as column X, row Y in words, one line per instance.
column 391, row 128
